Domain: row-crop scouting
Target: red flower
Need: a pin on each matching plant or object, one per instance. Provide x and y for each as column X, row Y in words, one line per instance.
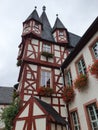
column 68, row 94
column 94, row 68
column 81, row 81
column 45, row 91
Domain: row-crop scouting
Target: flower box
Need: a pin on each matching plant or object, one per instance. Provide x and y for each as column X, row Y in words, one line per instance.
column 68, row 94
column 81, row 81
column 47, row 54
column 94, row 68
column 45, row 91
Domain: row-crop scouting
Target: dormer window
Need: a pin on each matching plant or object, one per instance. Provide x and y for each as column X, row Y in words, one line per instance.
column 36, row 25
column 27, row 27
column 61, row 33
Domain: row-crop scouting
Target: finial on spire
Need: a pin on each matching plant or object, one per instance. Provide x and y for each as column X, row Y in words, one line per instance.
column 44, row 8
column 35, row 7
column 56, row 15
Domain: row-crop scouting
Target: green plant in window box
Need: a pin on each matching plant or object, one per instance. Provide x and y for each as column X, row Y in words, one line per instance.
column 81, row 81
column 45, row 91
column 68, row 94
column 47, row 54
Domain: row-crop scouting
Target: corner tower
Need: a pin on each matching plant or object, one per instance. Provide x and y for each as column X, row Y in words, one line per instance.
column 40, row 81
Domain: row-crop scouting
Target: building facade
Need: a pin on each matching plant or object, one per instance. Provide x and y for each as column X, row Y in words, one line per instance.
column 42, row 51
column 83, row 60
column 53, row 60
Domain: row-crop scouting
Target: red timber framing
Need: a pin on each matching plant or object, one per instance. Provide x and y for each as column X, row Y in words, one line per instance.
column 29, row 120
column 32, row 52
column 31, row 80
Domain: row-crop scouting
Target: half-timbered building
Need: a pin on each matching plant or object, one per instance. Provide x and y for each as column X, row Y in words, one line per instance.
column 41, row 52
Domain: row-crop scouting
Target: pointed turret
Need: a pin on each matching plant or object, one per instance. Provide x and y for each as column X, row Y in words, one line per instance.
column 32, row 24
column 58, row 24
column 59, row 31
column 47, row 30
column 34, row 16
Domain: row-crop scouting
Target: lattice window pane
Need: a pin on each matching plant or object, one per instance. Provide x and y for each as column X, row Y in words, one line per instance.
column 69, row 78
column 81, row 66
column 46, row 48
column 75, row 120
column 93, row 115
column 95, row 50
column 45, row 78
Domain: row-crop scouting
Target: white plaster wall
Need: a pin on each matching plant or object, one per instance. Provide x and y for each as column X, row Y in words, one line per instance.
column 37, row 110
column 25, row 112
column 39, row 124
column 19, row 125
column 89, row 93
column 34, row 41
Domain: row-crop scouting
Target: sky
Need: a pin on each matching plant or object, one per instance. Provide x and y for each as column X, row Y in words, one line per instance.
column 76, row 15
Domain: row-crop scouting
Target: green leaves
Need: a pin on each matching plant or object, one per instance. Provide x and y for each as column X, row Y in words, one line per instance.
column 9, row 114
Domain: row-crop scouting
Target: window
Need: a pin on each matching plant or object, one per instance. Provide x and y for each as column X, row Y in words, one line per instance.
column 45, row 78
column 95, row 50
column 81, row 66
column 36, row 25
column 46, row 48
column 75, row 120
column 93, row 115
column 61, row 33
column 68, row 78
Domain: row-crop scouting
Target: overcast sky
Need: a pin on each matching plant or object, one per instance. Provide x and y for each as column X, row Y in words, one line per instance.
column 76, row 15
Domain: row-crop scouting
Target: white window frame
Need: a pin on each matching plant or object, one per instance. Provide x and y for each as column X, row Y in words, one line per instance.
column 75, row 120
column 81, row 66
column 47, row 47
column 68, row 78
column 93, row 115
column 45, row 78
column 61, row 33
column 95, row 50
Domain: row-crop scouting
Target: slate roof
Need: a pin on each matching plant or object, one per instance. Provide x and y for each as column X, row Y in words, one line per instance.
column 73, row 39
column 51, row 111
column 34, row 15
column 47, row 30
column 58, row 24
column 6, row 95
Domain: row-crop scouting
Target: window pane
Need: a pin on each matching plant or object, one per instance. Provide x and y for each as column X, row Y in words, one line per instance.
column 75, row 120
column 69, row 78
column 45, row 78
column 93, row 115
column 46, row 48
column 81, row 66
column 95, row 50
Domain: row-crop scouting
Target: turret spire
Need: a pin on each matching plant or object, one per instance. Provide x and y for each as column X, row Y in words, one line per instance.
column 44, row 8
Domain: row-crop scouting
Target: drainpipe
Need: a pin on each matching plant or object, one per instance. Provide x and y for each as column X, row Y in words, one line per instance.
column 67, row 104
